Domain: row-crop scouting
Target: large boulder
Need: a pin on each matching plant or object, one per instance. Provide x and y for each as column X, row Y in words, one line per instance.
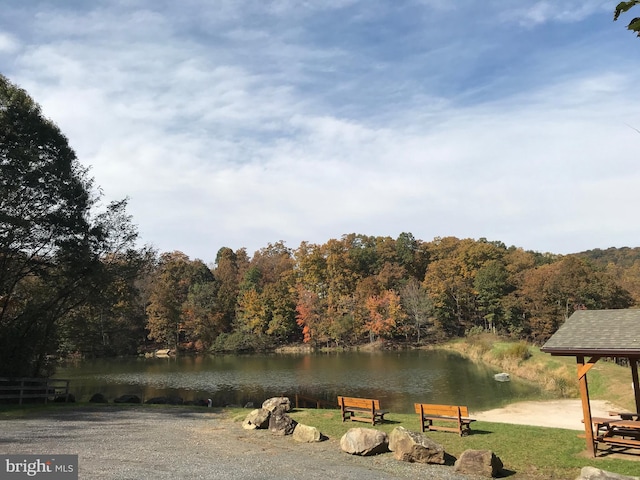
column 478, row 462
column 280, row 423
column 258, row 418
column 592, row 473
column 272, row 403
column 409, row 446
column 127, row 399
column 364, row 441
column 306, row 434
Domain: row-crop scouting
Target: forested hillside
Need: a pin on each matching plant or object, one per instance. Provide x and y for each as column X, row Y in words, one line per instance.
column 350, row 291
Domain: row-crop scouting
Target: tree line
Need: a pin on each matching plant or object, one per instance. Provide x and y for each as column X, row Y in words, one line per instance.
column 360, row 289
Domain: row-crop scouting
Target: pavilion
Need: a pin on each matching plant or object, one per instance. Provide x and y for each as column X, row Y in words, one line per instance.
column 590, row 335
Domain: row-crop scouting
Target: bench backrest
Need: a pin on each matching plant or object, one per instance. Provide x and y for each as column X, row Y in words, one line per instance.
column 358, row 402
column 444, row 410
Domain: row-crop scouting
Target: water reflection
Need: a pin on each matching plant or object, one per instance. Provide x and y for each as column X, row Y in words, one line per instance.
column 398, row 379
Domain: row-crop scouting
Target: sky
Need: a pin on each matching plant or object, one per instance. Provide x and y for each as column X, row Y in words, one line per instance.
column 240, row 123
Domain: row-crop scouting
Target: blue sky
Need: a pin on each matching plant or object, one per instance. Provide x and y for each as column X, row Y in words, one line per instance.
column 237, row 123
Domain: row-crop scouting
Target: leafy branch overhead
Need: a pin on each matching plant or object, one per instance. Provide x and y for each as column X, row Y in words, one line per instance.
column 634, row 24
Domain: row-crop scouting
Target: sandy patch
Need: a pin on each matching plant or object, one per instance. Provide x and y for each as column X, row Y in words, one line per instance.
column 553, row 413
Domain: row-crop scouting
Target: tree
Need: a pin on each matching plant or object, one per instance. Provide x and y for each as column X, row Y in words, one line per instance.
column 417, row 304
column 112, row 322
column 622, row 7
column 549, row 294
column 52, row 239
column 385, row 314
column 175, row 277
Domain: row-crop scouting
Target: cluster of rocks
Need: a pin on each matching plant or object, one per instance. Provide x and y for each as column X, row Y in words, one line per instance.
column 100, row 398
column 408, row 446
column 273, row 415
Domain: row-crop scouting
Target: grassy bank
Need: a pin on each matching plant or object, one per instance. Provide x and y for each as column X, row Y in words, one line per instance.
column 556, row 375
column 527, row 452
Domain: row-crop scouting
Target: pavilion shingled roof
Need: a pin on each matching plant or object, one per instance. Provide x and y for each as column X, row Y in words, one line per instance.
column 613, row 333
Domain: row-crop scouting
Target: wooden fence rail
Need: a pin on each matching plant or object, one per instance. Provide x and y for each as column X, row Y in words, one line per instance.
column 31, row 388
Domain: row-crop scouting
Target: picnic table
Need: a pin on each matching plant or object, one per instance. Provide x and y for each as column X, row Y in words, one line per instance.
column 617, row 431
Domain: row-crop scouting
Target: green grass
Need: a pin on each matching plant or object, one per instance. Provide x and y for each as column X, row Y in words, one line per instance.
column 527, row 452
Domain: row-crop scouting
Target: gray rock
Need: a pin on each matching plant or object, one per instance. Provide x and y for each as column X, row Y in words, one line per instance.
column 306, row 434
column 409, row 446
column 258, row 418
column 478, row 462
column 280, row 423
column 98, row 398
column 592, row 473
column 364, row 441
column 272, row 403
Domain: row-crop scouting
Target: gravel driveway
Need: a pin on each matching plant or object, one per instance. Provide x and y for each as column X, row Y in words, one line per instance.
column 174, row 443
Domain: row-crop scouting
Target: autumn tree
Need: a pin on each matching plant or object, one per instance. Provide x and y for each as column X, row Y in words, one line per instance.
column 202, row 318
column 229, row 270
column 175, row 277
column 550, row 293
column 267, row 301
column 309, row 315
column 385, row 314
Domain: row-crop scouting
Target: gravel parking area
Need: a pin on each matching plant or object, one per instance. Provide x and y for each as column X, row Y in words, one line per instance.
column 175, row 443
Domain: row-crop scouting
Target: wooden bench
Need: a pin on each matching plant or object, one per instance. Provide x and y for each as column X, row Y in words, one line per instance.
column 361, row 410
column 446, row 414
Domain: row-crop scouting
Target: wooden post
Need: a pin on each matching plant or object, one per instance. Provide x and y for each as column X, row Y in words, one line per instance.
column 636, row 383
column 583, row 368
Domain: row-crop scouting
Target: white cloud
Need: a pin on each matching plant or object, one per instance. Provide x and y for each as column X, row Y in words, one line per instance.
column 8, row 43
column 226, row 130
column 569, row 11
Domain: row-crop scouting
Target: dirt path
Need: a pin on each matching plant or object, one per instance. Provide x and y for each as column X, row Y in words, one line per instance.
column 554, row 413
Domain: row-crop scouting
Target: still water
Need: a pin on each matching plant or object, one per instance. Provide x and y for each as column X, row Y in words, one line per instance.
column 397, row 379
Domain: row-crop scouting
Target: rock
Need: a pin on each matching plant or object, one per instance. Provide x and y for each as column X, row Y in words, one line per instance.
column 165, row 401
column 478, row 462
column 272, row 403
column 364, row 441
column 280, row 423
column 306, row 434
column 249, row 405
column 410, row 446
column 258, row 418
column 98, row 398
column 592, row 473
column 127, row 399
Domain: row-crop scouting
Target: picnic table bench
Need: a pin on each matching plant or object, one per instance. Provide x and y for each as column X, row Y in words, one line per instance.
column 361, row 410
column 447, row 414
column 620, row 432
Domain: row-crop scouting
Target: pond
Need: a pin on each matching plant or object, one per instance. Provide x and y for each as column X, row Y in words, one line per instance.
column 397, row 379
